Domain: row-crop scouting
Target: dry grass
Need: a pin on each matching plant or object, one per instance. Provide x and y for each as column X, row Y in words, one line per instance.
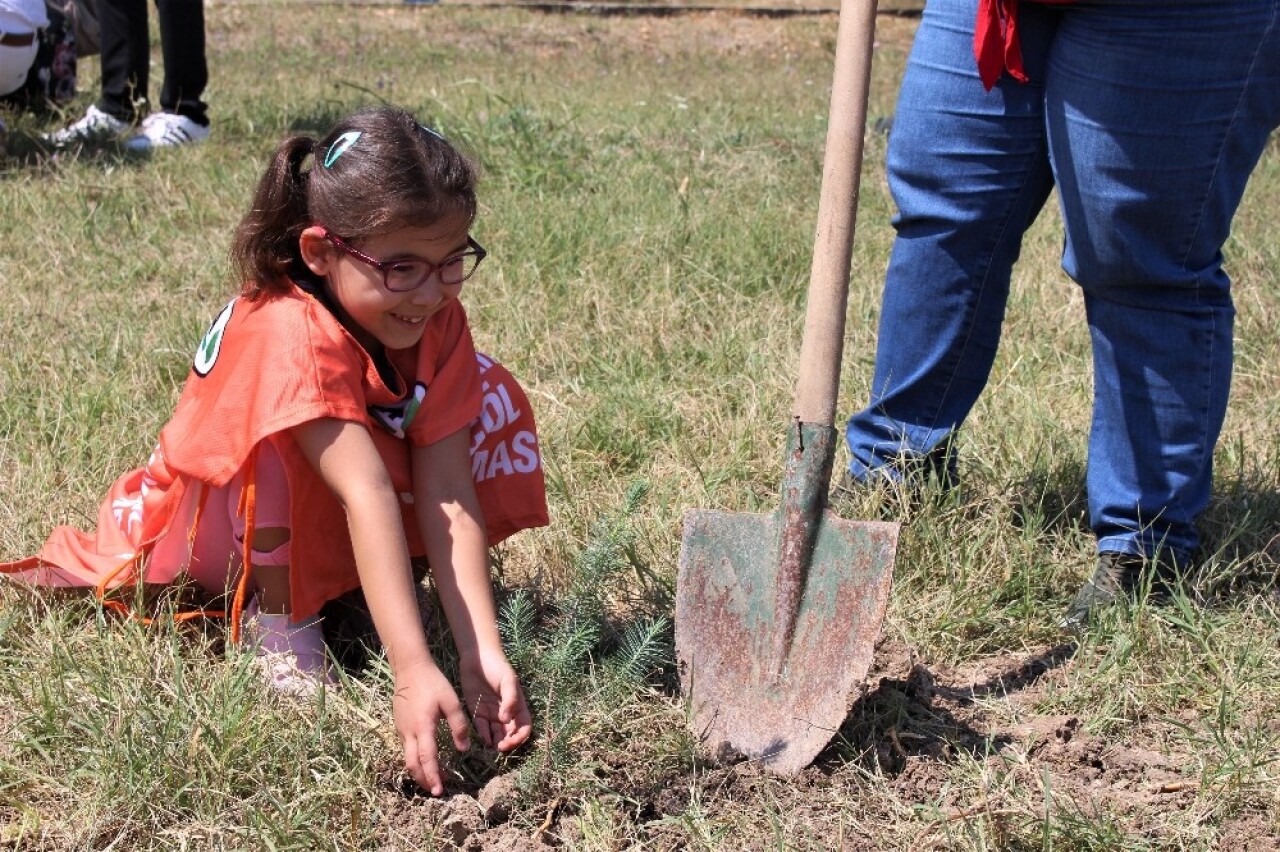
column 649, row 201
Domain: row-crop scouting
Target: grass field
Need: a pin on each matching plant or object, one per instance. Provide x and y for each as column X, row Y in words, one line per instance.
column 649, row 197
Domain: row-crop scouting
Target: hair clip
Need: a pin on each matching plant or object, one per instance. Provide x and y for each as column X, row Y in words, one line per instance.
column 434, row 133
column 340, row 146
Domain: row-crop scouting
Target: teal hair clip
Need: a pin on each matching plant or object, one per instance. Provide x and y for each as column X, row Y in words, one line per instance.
column 340, row 146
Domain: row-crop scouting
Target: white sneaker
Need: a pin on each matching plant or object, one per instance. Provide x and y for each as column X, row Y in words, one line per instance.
column 166, row 130
column 95, row 127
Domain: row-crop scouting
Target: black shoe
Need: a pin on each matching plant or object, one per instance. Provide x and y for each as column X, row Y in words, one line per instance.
column 1118, row 576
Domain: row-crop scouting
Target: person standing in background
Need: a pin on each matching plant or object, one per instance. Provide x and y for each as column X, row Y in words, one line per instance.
column 126, row 56
column 1148, row 117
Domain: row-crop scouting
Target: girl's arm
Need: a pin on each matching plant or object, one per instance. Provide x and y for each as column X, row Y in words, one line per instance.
column 453, row 529
column 344, row 455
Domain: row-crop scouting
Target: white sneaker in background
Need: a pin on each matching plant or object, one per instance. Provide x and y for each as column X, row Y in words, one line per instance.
column 95, row 127
column 165, row 130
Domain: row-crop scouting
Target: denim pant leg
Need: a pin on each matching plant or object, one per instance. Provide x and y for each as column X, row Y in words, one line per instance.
column 969, row 171
column 1158, row 110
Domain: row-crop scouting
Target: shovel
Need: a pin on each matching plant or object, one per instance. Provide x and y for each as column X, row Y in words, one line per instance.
column 777, row 615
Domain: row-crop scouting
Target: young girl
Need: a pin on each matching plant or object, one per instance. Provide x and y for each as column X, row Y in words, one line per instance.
column 337, row 422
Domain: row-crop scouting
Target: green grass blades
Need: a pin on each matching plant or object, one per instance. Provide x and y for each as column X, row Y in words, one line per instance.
column 649, row 198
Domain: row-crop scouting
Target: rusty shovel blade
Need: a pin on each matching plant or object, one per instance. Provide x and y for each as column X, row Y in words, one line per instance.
column 777, row 616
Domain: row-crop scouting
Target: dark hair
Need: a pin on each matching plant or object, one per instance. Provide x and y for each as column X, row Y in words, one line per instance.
column 397, row 174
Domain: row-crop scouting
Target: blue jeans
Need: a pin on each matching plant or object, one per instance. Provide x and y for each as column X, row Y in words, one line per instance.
column 1148, row 116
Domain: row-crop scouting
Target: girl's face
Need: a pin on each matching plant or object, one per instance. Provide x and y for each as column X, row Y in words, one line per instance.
column 374, row 314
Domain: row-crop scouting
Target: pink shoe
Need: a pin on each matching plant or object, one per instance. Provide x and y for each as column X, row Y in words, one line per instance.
column 293, row 656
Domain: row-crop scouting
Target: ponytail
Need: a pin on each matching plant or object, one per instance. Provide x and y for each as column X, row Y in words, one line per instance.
column 375, row 171
column 265, row 244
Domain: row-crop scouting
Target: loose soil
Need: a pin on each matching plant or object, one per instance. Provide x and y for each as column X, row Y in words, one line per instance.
column 893, row 763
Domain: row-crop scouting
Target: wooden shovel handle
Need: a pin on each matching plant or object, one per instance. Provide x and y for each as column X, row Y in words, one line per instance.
column 823, row 342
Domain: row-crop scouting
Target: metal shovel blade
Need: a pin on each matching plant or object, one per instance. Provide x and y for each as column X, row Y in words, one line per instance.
column 773, row 650
column 777, row 615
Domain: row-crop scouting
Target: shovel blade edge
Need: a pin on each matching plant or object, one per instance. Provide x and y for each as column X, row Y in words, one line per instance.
column 725, row 624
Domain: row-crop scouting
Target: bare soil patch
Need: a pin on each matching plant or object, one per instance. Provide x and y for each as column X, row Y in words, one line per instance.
column 900, row 760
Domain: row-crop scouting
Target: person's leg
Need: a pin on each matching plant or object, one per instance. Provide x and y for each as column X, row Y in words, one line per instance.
column 1158, row 110
column 213, row 559
column 294, row 652
column 182, row 46
column 969, row 172
column 126, row 57
column 58, row 83
column 269, row 576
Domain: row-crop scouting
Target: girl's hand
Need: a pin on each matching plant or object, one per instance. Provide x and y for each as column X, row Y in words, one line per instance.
column 423, row 696
column 495, row 700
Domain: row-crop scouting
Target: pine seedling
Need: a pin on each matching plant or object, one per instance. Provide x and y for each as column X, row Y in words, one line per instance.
column 579, row 663
column 518, row 626
column 607, row 554
column 643, row 650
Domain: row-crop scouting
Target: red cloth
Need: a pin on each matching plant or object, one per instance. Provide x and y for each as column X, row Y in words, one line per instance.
column 995, row 40
column 268, row 365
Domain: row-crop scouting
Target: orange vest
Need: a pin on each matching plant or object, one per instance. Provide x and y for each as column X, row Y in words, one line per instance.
column 270, row 364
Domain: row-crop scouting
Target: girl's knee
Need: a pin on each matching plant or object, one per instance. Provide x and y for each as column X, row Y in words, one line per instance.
column 270, row 559
column 271, row 546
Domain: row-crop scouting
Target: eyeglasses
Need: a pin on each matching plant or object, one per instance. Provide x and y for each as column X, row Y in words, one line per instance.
column 401, row 276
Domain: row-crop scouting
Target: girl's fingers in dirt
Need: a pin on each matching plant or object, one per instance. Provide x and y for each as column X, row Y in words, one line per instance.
column 420, row 761
column 503, row 736
column 485, row 729
column 459, row 726
column 520, row 726
column 523, row 718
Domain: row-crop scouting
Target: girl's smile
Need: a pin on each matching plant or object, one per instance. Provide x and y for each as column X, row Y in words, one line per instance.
column 360, row 280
